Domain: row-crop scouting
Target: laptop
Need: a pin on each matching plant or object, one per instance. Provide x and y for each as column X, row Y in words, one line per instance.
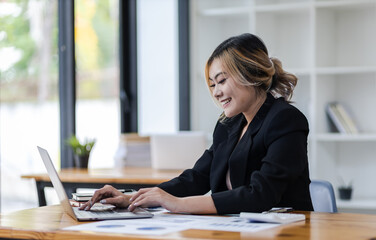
column 81, row 215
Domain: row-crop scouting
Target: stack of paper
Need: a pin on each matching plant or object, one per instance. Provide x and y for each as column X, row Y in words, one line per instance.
column 273, row 217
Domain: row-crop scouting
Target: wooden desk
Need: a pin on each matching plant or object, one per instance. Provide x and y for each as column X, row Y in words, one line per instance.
column 47, row 223
column 129, row 177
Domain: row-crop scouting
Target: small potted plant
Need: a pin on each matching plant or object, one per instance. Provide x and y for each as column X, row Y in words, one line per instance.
column 345, row 190
column 81, row 151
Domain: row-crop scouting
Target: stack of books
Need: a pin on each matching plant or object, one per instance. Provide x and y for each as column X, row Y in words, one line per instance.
column 340, row 119
column 133, row 150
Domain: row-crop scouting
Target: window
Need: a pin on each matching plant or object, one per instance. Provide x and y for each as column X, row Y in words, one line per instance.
column 97, row 77
column 29, row 96
column 29, row 109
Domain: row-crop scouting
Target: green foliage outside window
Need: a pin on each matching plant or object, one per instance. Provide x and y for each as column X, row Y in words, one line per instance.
column 96, row 28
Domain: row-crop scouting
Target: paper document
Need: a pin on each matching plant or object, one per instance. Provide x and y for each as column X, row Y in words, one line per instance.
column 129, row 227
column 168, row 223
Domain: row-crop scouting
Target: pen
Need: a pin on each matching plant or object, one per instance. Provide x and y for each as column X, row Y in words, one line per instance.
column 279, row 210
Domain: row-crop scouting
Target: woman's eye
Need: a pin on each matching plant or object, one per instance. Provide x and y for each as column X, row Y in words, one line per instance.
column 212, row 85
column 222, row 81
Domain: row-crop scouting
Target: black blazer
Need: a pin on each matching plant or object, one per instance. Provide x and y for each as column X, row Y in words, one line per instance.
column 268, row 166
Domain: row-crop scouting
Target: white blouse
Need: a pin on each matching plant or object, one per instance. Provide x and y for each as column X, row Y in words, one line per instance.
column 228, row 181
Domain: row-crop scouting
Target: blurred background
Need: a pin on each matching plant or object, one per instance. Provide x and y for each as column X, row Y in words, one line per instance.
column 328, row 44
column 29, row 94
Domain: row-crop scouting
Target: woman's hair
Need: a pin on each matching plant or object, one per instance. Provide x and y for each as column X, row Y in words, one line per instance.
column 245, row 58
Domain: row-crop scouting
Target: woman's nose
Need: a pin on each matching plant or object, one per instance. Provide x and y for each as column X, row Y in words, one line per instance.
column 217, row 91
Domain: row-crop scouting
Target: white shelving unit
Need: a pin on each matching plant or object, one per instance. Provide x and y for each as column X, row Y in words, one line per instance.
column 331, row 47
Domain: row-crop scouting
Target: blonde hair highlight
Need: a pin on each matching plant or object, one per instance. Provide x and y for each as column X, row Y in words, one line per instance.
column 245, row 59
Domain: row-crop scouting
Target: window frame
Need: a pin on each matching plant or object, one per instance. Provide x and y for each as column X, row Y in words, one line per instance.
column 127, row 66
column 67, row 79
column 184, row 66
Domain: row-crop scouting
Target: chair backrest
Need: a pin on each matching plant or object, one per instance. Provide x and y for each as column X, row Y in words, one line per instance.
column 322, row 195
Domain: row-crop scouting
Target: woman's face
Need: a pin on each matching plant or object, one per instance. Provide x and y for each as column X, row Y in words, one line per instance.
column 232, row 96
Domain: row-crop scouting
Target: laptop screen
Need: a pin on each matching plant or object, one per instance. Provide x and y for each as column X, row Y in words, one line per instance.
column 54, row 177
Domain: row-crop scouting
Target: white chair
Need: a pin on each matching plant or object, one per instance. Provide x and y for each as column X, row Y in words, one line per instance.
column 322, row 195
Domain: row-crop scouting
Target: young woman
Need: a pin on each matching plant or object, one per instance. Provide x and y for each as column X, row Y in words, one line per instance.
column 258, row 159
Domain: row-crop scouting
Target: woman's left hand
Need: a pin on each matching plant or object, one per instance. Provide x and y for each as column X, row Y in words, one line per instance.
column 152, row 197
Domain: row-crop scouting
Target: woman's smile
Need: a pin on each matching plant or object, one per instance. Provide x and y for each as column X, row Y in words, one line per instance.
column 225, row 102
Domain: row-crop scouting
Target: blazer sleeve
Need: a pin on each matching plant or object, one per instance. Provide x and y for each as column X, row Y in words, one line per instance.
column 195, row 181
column 285, row 139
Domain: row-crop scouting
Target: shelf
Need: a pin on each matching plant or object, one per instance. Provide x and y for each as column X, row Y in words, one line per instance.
column 285, row 7
column 343, row 3
column 214, row 12
column 357, row 204
column 233, row 11
column 299, row 71
column 329, row 46
column 293, row 49
column 340, row 137
column 344, row 36
column 345, row 70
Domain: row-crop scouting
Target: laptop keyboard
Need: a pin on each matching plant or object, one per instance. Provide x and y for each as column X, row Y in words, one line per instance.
column 110, row 214
column 88, row 214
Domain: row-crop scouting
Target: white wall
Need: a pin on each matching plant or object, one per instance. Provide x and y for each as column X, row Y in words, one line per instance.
column 157, row 66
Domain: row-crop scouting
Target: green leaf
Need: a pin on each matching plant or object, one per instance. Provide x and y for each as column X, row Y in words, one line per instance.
column 80, row 149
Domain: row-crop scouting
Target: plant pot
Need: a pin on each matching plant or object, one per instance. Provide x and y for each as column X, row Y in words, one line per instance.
column 81, row 161
column 345, row 193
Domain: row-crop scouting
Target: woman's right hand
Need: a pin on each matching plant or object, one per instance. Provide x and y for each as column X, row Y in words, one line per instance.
column 107, row 195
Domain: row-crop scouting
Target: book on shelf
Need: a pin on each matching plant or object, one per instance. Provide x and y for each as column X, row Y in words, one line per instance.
column 340, row 118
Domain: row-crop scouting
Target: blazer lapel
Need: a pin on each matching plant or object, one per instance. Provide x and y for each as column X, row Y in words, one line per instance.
column 239, row 158
column 223, row 153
